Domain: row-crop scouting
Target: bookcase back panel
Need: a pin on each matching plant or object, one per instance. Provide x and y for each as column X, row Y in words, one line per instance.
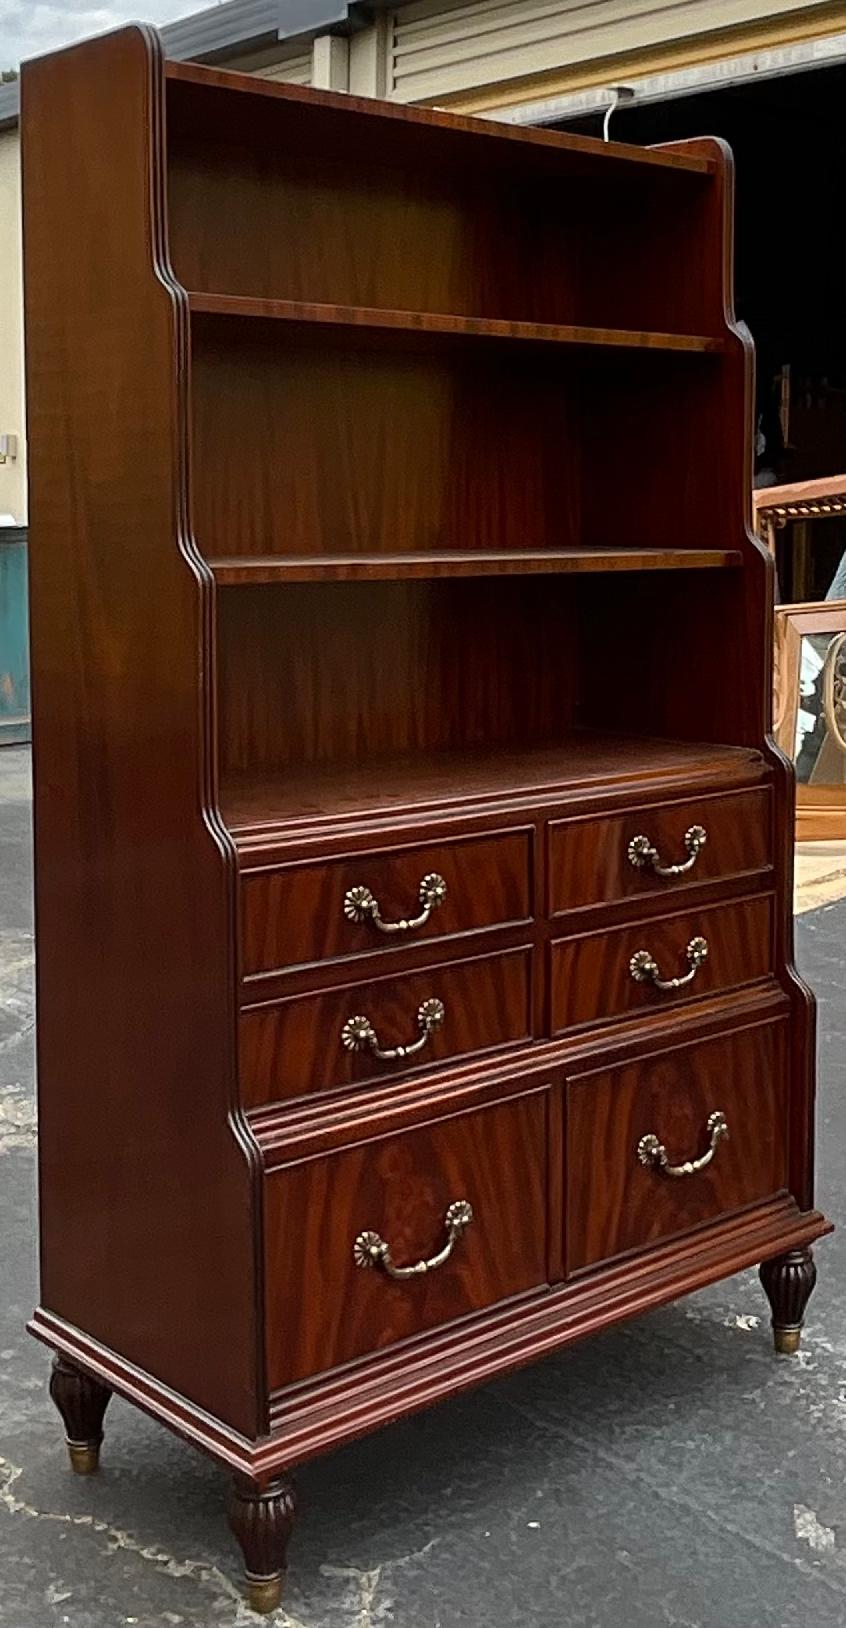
column 307, row 449
column 312, row 673
column 395, row 444
column 680, row 660
column 663, row 445
column 262, row 202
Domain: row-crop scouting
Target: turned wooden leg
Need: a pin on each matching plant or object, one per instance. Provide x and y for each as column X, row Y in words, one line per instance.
column 261, row 1518
column 82, row 1402
column 788, row 1282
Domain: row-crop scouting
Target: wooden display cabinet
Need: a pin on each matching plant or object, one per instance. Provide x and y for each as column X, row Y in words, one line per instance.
column 415, row 980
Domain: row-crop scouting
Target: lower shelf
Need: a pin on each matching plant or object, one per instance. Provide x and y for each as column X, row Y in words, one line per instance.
column 258, row 804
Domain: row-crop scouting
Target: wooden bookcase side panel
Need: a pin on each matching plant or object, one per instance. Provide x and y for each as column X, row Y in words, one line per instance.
column 145, row 1195
column 264, row 202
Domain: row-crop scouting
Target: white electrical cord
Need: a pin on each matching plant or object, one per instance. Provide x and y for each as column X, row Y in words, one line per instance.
column 619, row 93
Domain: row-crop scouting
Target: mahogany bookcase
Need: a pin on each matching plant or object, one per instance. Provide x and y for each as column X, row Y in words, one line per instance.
column 415, row 983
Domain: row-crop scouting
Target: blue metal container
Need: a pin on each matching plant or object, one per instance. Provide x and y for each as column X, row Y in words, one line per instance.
column 14, row 637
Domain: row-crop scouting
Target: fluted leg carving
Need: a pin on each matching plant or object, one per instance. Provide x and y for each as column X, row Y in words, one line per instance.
column 788, row 1282
column 82, row 1402
column 262, row 1518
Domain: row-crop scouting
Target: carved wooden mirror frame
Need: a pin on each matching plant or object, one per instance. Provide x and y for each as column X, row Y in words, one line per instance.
column 820, row 809
column 820, row 803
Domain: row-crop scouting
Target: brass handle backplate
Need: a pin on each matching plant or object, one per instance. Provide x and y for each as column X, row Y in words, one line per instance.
column 362, row 905
column 645, row 969
column 653, row 1153
column 358, row 1033
column 371, row 1250
column 642, row 853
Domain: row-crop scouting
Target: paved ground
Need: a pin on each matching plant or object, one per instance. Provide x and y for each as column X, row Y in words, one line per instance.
column 673, row 1472
column 820, row 874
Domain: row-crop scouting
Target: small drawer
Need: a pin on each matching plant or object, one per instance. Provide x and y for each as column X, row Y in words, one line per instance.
column 625, row 856
column 623, row 970
column 619, row 1196
column 355, row 905
column 329, row 1039
column 324, row 1309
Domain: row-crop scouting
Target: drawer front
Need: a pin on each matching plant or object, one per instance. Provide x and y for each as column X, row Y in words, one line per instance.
column 589, row 859
column 615, row 1202
column 299, row 914
column 323, row 1309
column 592, row 978
column 310, row 1043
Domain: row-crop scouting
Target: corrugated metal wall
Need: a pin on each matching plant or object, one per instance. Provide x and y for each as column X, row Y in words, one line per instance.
column 438, row 49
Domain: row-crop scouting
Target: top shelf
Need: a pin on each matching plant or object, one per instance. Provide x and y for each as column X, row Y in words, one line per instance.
column 387, row 120
column 367, row 319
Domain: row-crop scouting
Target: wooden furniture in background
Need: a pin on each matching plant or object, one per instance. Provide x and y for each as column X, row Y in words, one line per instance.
column 820, row 801
column 810, row 689
column 415, row 978
column 776, row 506
column 796, row 505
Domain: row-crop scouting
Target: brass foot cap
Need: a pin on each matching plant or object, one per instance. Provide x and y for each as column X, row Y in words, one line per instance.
column 264, row 1593
column 786, row 1341
column 85, row 1458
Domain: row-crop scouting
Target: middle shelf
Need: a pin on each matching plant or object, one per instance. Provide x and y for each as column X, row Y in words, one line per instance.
column 357, row 321
column 467, row 563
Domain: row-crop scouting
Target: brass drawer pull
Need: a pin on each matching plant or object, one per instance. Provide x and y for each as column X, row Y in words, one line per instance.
column 362, row 905
column 645, row 969
column 642, row 852
column 371, row 1250
column 358, row 1032
column 653, row 1153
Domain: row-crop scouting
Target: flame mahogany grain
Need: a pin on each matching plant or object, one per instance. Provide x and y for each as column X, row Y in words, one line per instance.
column 423, row 538
column 588, row 857
column 294, row 1046
column 400, row 1187
column 590, row 979
column 615, row 1204
column 295, row 913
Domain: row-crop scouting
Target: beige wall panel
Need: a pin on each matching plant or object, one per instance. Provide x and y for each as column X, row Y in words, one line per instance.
column 12, row 475
column 441, row 49
column 369, row 52
column 291, row 71
column 292, row 68
column 330, row 69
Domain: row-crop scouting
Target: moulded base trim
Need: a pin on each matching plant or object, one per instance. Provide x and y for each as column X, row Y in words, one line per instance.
column 177, row 1412
column 323, row 1413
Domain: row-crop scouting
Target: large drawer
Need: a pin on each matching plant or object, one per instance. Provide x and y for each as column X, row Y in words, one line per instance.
column 325, row 1040
column 324, row 1309
column 618, row 1198
column 590, row 862
column 297, row 914
column 593, row 978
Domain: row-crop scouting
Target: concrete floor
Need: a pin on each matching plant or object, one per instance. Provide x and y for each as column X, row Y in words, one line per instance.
column 820, row 876
column 671, row 1472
